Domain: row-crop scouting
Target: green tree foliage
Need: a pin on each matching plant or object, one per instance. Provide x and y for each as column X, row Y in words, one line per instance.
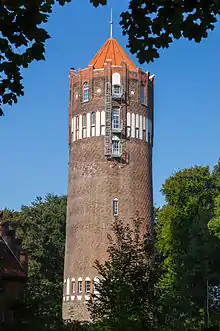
column 126, row 299
column 22, row 41
column 190, row 253
column 41, row 226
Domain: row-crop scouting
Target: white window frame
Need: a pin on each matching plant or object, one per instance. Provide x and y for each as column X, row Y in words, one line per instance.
column 93, row 118
column 115, row 207
column 73, row 285
column 79, row 286
column 116, row 150
column 88, row 286
column 85, row 92
column 77, row 127
column 84, row 124
column 115, row 117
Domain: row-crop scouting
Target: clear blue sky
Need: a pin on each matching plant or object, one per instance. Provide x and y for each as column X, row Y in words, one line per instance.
column 33, row 134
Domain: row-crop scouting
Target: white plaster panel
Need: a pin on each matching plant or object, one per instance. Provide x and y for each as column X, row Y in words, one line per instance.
column 128, row 119
column 141, row 127
column 116, row 79
column 98, row 123
column 74, row 128
column 72, row 297
column 133, row 125
column 103, row 117
column 80, row 126
column 102, row 130
column 88, row 124
column 68, row 286
column 137, row 121
column 87, row 297
column 147, row 128
column 93, row 130
column 144, row 123
column 79, row 297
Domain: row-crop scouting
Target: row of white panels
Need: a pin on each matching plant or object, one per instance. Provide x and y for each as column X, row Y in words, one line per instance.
column 93, row 124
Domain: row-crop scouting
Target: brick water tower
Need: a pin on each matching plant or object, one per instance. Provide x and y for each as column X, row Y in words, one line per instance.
column 110, row 164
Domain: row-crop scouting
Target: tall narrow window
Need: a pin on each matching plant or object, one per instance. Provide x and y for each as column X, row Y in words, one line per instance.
column 115, row 207
column 116, row 147
column 115, row 119
column 88, row 286
column 142, row 95
column 85, row 91
column 84, row 126
column 93, row 118
column 77, row 127
column 79, row 286
column 73, row 286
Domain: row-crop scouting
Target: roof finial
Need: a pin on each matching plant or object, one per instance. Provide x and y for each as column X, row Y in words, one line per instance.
column 111, row 24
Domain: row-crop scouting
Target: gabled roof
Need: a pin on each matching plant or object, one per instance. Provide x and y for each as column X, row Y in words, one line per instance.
column 111, row 50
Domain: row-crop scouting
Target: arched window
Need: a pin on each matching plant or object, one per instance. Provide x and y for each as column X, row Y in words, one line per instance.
column 115, row 207
column 116, row 85
column 88, row 285
column 79, row 285
column 84, row 126
column 85, row 91
column 73, row 285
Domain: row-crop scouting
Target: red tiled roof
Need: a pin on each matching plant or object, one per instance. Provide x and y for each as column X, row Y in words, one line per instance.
column 111, row 50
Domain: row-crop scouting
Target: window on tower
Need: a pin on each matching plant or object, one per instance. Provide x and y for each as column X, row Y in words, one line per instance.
column 116, row 119
column 142, row 94
column 88, row 286
column 79, row 286
column 77, row 127
column 84, row 126
column 85, row 91
column 93, row 118
column 116, row 147
column 115, row 207
column 73, row 286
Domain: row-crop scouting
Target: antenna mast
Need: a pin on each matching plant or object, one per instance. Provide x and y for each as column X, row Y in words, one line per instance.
column 111, row 25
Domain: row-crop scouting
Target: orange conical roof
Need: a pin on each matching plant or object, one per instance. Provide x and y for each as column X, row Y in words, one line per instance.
column 111, row 50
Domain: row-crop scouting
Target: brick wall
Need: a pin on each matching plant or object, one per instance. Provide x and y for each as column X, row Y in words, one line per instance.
column 94, row 182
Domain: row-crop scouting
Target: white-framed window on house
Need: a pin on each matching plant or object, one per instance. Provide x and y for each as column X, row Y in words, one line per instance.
column 79, row 285
column 115, row 207
column 88, row 286
column 73, row 285
column 116, row 118
column 142, row 94
column 84, row 126
column 77, row 127
column 85, row 92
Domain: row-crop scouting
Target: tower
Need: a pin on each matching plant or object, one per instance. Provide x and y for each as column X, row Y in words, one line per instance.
column 110, row 164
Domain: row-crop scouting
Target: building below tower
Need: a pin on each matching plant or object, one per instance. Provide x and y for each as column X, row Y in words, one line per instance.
column 110, row 164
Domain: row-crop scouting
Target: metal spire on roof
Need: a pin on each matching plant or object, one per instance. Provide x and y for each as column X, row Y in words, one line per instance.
column 111, row 25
